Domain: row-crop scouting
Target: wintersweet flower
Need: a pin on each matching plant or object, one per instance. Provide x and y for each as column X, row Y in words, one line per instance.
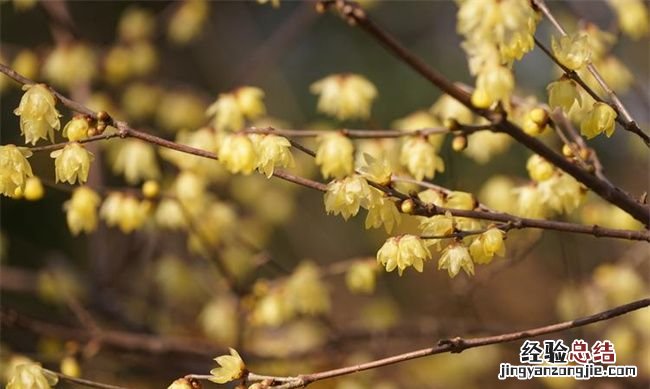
column 563, row 93
column 454, row 258
column 76, row 129
column 483, row 145
column 346, row 196
column 77, row 56
column 433, row 196
column 601, row 118
column 335, row 155
column 403, row 251
column 31, row 376
column 381, row 211
column 497, row 82
column 486, row 245
column 376, row 170
column 136, row 24
column 437, row 226
column 448, row 108
column 361, row 277
column 33, row 189
column 72, row 163
column 306, row 292
column 272, row 151
column 562, row 193
column 237, row 153
column 126, row 212
column 632, row 17
column 187, row 21
column 231, row 109
column 420, row 158
column 169, row 214
column 14, row 170
column 345, row 96
column 38, row 115
column 539, row 169
column 461, row 200
column 421, row 120
column 81, row 210
column 231, row 368
column 136, row 160
column 26, row 63
column 572, row 50
column 530, row 202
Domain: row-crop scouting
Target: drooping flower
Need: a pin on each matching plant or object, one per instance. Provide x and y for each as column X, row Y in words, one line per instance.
column 346, row 196
column 421, row 120
column 454, row 258
column 497, row 82
column 335, row 155
column 420, row 158
column 563, row 93
column 381, row 211
column 31, row 376
column 237, row 153
column 486, row 245
column 38, row 115
column 77, row 56
column 460, row 200
column 126, row 212
column 530, row 202
column 572, row 51
column 187, row 21
column 72, row 163
column 76, row 129
column 539, row 169
column 601, row 118
column 376, row 170
column 562, row 193
column 306, row 292
column 136, row 160
column 14, row 170
column 231, row 367
column 136, row 24
column 81, row 210
column 483, row 145
column 403, row 251
column 231, row 109
column 632, row 17
column 345, row 96
column 361, row 277
column 272, row 151
column 33, row 189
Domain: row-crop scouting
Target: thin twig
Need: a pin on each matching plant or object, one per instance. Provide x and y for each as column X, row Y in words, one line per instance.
column 82, row 381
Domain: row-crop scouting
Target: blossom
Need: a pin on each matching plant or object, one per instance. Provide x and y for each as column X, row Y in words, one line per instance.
column 178, row 110
column 14, row 170
column 33, row 189
column 126, row 212
column 539, row 169
column 81, row 210
column 231, row 368
column 563, row 93
column 38, row 115
column 272, row 151
column 345, row 96
column 186, row 23
column 335, row 155
column 403, row 251
column 432, row 196
column 436, row 227
column 421, row 120
column 72, row 163
column 448, row 108
column 136, row 24
column 237, row 153
column 306, row 292
column 601, row 118
column 483, row 145
column 562, row 193
column 530, row 202
column 26, row 63
column 140, row 100
column 632, row 17
column 31, row 376
column 376, row 170
column 381, row 211
column 420, row 158
column 497, row 82
column 361, row 277
column 454, row 258
column 76, row 129
column 486, row 245
column 572, row 51
column 460, row 200
column 77, row 56
column 231, row 109
column 169, row 214
column 136, row 160
column 345, row 196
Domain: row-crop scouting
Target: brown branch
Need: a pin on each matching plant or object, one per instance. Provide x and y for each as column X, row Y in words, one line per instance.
column 369, row 134
column 623, row 116
column 357, row 16
column 82, row 381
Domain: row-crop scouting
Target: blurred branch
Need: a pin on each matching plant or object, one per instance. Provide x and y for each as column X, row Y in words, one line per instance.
column 370, row 134
column 452, row 345
column 623, row 116
column 83, row 382
column 356, row 16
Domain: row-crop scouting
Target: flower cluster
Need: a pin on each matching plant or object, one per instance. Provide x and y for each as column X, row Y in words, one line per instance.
column 230, row 110
column 345, row 96
column 14, row 170
column 81, row 210
column 124, row 211
column 403, row 251
column 242, row 153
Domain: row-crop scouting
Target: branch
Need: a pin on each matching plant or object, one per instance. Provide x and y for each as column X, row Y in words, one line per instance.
column 453, row 345
column 623, row 116
column 357, row 16
column 83, row 382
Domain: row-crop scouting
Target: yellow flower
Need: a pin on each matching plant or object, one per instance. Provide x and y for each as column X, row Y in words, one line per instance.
column 361, row 277
column 81, row 210
column 178, row 110
column 231, row 367
column 497, row 82
column 136, row 160
column 345, row 96
column 421, row 120
column 432, row 196
column 136, row 24
column 448, row 108
column 272, row 310
column 187, row 21
column 72, row 163
column 77, row 56
column 562, row 193
column 615, row 74
column 143, row 57
column 169, row 214
column 33, row 189
column 345, row 196
column 230, row 109
column 76, row 129
column 204, row 139
column 403, row 251
column 140, row 100
column 437, row 226
column 124, row 211
column 376, row 170
column 572, row 50
column 38, row 115
column 497, row 193
column 70, row 366
column 539, row 169
column 487, row 245
column 454, row 258
column 461, row 200
column 381, row 211
column 181, row 383
column 306, row 292
column 237, row 153
column 335, row 155
column 14, row 170
column 563, row 93
column 601, row 118
column 632, row 17
column 530, row 202
column 218, row 318
column 31, row 376
column 483, row 145
column 151, row 189
column 272, row 151
column 420, row 158
column 26, row 63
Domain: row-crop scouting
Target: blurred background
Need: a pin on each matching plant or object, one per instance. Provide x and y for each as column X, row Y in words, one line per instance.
column 143, row 308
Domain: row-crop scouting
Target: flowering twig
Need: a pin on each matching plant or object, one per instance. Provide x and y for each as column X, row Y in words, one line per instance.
column 357, row 16
column 453, row 345
column 623, row 116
